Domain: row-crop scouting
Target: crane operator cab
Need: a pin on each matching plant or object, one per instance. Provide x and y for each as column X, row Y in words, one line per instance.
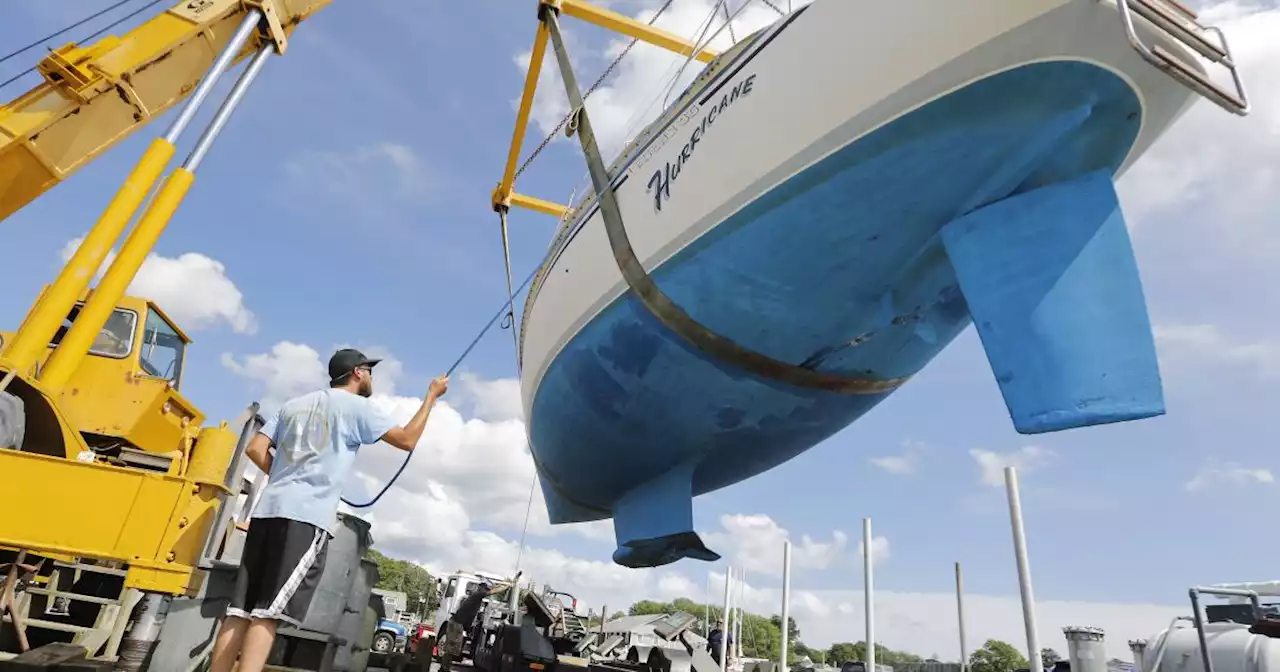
column 124, row 397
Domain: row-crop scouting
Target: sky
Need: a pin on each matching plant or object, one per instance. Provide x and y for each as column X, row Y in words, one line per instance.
column 347, row 203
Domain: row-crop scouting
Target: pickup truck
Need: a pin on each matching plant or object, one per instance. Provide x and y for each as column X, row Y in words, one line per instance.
column 390, row 637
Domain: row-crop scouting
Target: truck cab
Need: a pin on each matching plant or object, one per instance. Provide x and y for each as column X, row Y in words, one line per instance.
column 453, row 589
column 125, row 397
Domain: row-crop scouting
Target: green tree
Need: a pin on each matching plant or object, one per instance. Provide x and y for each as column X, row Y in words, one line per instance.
column 686, row 604
column 649, row 607
column 1048, row 657
column 798, row 650
column 793, row 630
column 841, row 651
column 996, row 656
column 411, row 579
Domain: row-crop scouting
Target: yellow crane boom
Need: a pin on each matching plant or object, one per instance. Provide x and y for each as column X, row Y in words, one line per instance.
column 94, row 96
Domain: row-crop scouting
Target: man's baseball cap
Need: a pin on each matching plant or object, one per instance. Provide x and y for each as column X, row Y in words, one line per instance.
column 346, row 360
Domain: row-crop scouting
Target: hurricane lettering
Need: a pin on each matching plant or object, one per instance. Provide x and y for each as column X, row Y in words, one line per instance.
column 662, row 179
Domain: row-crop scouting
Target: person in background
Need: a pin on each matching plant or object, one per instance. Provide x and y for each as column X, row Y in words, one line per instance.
column 714, row 638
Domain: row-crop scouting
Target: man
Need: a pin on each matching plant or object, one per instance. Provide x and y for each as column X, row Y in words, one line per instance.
column 463, row 619
column 714, row 639
column 316, row 437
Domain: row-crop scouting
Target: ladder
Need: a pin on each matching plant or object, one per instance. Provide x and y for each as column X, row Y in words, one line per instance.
column 1183, row 25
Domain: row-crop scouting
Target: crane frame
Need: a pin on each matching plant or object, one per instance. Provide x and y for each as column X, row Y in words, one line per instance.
column 504, row 195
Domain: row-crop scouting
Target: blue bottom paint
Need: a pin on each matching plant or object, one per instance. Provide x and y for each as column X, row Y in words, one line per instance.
column 1053, row 288
column 841, row 267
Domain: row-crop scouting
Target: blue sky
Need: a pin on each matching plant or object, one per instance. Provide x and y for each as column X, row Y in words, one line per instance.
column 347, row 202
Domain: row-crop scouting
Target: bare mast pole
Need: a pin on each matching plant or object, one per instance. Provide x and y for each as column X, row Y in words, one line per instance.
column 786, row 603
column 1024, row 569
column 868, row 591
column 964, row 653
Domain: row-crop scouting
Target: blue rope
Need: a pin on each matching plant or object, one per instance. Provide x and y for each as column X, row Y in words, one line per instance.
column 499, row 315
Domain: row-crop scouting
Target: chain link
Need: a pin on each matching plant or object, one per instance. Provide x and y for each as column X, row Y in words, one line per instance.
column 599, row 80
column 774, row 7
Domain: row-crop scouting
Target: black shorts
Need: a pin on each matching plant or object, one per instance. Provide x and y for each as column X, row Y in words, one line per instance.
column 279, row 570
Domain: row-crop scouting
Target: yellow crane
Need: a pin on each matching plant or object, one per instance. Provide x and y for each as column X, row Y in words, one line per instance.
column 105, row 464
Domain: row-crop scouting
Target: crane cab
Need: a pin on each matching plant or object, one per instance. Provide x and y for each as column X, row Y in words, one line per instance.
column 124, row 398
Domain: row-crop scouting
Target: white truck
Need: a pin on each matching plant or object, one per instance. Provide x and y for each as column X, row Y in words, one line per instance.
column 451, row 590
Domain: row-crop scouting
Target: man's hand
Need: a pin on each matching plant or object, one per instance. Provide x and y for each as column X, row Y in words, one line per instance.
column 407, row 437
column 438, row 388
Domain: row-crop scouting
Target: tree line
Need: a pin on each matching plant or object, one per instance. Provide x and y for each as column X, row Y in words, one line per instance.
column 409, row 578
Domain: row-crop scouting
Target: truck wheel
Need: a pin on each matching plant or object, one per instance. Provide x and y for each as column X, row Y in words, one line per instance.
column 384, row 642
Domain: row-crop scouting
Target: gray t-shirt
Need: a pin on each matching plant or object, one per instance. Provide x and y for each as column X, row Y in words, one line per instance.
column 316, row 436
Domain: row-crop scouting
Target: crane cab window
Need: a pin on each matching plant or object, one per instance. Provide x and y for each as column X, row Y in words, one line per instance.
column 116, row 338
column 162, row 349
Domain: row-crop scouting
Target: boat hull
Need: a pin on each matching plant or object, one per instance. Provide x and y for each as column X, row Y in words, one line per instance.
column 827, row 216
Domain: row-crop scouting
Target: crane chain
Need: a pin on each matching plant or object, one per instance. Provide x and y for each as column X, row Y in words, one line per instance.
column 774, row 7
column 599, row 80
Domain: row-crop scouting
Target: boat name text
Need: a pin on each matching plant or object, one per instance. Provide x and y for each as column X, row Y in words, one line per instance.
column 662, row 179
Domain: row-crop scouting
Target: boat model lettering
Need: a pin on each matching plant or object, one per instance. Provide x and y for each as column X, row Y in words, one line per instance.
column 660, row 182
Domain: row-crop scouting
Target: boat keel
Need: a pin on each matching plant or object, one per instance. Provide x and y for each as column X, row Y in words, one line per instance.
column 653, row 522
column 1051, row 281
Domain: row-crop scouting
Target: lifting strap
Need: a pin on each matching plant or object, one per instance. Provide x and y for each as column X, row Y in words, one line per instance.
column 654, row 300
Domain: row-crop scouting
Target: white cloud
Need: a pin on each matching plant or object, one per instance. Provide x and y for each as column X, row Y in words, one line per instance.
column 895, row 464
column 672, row 586
column 288, row 370
column 903, row 463
column 754, row 542
column 493, row 400
column 191, row 288
column 1228, row 474
column 879, row 550
column 1216, row 161
column 992, row 464
column 367, row 177
column 1191, row 345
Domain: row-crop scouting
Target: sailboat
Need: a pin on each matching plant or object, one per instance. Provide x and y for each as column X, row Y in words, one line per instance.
column 827, row 206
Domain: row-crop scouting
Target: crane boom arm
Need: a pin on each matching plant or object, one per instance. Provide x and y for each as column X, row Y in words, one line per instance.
column 93, row 97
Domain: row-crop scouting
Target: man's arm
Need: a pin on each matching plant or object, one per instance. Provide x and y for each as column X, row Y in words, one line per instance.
column 259, row 452
column 406, row 437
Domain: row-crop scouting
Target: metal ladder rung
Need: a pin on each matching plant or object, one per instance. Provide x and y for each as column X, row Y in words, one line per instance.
column 1183, row 9
column 1181, row 24
column 97, row 569
column 1196, row 80
column 73, row 596
column 49, row 625
column 1191, row 35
